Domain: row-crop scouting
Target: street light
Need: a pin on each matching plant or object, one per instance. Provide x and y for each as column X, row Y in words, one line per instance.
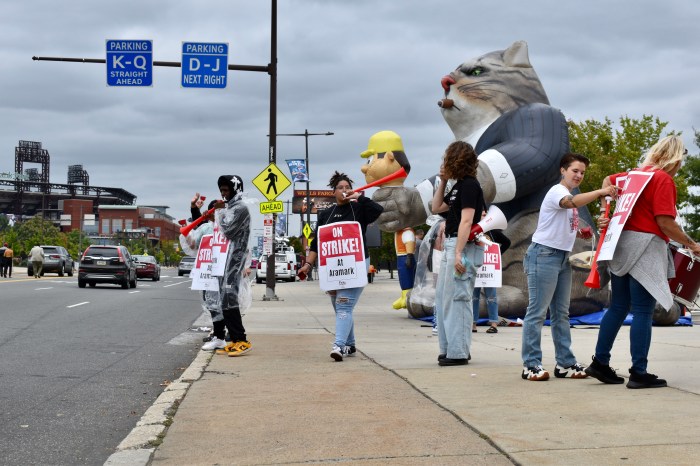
column 306, row 135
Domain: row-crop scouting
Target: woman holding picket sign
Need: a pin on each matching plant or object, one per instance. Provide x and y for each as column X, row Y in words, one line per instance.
column 640, row 267
column 343, row 256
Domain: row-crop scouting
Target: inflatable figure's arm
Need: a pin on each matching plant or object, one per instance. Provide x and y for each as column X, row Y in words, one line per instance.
column 520, row 152
column 402, row 208
column 408, row 237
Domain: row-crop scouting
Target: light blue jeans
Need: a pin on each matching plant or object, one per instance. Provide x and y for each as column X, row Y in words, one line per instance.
column 454, row 315
column 344, row 302
column 491, row 303
column 549, row 284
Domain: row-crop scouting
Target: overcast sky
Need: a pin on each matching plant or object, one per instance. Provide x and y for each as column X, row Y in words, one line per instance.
column 353, row 67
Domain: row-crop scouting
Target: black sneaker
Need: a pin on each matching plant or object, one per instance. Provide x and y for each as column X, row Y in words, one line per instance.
column 444, row 356
column 603, row 372
column 535, row 373
column 349, row 351
column 574, row 371
column 453, row 362
column 645, row 380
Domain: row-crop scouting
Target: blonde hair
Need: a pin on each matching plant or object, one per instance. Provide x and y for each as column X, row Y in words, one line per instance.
column 666, row 153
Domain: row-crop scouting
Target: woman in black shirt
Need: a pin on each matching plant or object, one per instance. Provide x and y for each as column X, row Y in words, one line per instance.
column 461, row 258
column 350, row 207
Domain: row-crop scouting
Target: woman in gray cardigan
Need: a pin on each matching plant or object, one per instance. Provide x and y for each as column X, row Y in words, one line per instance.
column 640, row 267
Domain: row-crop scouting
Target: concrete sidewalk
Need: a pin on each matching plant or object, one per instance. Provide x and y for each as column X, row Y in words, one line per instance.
column 288, row 402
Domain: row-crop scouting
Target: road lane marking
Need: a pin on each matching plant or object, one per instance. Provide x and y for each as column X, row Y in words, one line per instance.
column 179, row 283
column 132, row 292
column 47, row 288
column 79, row 304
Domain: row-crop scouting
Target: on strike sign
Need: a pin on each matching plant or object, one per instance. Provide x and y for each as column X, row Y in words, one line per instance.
column 634, row 184
column 489, row 275
column 202, row 279
column 219, row 249
column 341, row 256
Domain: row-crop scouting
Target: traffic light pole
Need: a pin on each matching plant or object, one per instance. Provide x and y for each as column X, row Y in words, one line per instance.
column 306, row 135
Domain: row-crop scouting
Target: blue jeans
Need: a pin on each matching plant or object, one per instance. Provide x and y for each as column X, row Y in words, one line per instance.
column 491, row 303
column 628, row 295
column 454, row 315
column 549, row 285
column 344, row 302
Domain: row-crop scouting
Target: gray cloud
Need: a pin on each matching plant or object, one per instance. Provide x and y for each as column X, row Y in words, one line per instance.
column 351, row 67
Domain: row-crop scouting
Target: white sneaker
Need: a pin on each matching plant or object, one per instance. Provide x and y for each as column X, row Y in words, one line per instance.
column 337, row 353
column 213, row 344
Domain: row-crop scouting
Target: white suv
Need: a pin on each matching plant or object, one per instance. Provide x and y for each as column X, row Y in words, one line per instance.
column 285, row 267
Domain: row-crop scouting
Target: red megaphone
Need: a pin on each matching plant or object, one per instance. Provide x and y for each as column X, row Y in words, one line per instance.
column 400, row 173
column 494, row 220
column 184, row 231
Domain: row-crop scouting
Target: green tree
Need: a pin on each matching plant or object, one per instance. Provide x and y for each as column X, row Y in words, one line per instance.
column 4, row 224
column 691, row 172
column 295, row 242
column 617, row 150
column 34, row 232
column 386, row 252
column 76, row 243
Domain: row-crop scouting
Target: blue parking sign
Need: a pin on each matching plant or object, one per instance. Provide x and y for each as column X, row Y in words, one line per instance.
column 130, row 63
column 204, row 64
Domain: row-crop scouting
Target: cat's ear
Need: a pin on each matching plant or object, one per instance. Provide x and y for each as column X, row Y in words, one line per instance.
column 516, row 55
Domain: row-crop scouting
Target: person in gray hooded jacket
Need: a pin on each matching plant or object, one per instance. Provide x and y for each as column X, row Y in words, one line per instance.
column 233, row 218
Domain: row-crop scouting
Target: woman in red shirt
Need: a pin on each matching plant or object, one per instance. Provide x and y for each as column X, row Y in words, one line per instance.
column 640, row 265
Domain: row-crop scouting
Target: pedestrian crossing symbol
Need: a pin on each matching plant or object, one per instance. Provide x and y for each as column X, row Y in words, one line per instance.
column 271, row 182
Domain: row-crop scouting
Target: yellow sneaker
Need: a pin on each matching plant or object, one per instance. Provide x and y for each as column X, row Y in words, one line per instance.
column 225, row 350
column 239, row 348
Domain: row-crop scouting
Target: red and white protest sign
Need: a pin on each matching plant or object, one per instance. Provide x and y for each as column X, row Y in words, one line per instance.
column 202, row 278
column 341, row 256
column 490, row 274
column 632, row 186
column 219, row 249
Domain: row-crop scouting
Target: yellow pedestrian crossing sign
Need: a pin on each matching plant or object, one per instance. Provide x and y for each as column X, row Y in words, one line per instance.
column 271, row 182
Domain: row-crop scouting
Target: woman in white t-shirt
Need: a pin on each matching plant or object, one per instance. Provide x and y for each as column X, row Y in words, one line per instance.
column 549, row 273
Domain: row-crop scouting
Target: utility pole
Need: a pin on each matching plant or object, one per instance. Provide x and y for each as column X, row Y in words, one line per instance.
column 306, row 135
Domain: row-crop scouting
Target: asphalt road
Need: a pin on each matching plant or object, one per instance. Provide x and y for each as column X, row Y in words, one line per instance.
column 78, row 367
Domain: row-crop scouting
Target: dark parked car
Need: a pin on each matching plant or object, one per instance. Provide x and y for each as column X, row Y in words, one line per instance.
column 147, row 267
column 107, row 264
column 186, row 265
column 56, row 260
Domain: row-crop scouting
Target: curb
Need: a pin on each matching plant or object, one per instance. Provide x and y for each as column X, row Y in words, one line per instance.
column 138, row 447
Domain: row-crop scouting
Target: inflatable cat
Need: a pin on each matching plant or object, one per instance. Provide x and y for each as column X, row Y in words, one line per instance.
column 497, row 103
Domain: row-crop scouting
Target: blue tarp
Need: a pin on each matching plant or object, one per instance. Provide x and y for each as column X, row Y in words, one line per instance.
column 596, row 317
column 588, row 319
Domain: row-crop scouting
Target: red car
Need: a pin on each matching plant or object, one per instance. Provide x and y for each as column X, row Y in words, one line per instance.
column 147, row 267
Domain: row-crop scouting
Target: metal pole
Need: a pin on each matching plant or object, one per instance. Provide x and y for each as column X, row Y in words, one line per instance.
column 306, row 135
column 80, row 236
column 308, row 199
column 270, row 278
column 286, row 219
